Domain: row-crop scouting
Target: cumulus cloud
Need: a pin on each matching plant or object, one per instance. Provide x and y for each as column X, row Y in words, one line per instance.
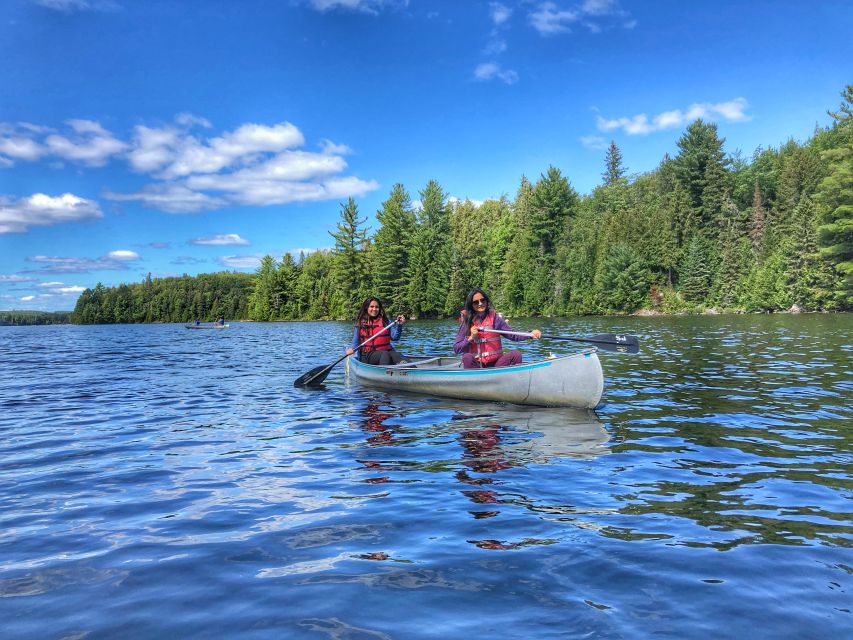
column 225, row 239
column 254, row 164
column 114, row 261
column 641, row 124
column 17, row 216
column 493, row 71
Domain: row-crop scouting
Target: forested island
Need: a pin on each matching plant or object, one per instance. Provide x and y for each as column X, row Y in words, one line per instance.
column 705, row 230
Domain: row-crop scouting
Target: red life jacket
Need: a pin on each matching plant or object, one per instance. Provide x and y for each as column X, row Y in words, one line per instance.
column 486, row 347
column 370, row 327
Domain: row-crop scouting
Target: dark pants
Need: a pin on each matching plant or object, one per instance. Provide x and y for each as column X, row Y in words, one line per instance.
column 506, row 360
column 382, row 358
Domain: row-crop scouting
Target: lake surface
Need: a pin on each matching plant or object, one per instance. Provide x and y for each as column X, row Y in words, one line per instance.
column 157, row 482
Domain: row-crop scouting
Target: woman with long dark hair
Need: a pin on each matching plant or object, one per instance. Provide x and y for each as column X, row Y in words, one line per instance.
column 372, row 321
column 479, row 346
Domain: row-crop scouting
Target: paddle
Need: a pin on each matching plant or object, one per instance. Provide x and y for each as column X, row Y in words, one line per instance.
column 318, row 374
column 617, row 342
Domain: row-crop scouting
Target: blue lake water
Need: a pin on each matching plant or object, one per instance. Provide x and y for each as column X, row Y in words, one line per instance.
column 157, row 482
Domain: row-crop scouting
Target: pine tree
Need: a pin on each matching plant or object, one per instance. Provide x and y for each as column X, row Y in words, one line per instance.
column 392, row 247
column 836, row 198
column 696, row 270
column 350, row 273
column 261, row 299
column 700, row 149
column 429, row 264
column 614, row 172
column 626, row 279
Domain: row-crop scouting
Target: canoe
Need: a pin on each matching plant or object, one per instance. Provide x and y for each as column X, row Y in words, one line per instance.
column 206, row 326
column 569, row 381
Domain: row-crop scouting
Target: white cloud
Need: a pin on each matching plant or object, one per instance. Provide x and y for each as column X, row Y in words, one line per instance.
column 70, row 6
column 27, row 298
column 92, row 145
column 43, row 210
column 491, row 70
column 114, row 261
column 499, row 13
column 548, row 19
column 640, row 124
column 226, row 239
column 171, row 198
column 331, row 148
column 123, row 255
column 191, row 120
column 15, row 279
column 18, row 147
column 245, row 261
column 59, row 288
column 254, row 164
column 598, row 7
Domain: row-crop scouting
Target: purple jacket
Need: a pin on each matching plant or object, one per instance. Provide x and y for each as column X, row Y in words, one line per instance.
column 461, row 344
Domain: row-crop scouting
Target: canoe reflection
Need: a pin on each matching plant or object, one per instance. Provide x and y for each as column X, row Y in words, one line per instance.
column 520, row 436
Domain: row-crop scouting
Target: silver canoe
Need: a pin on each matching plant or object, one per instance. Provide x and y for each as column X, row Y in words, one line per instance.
column 569, row 381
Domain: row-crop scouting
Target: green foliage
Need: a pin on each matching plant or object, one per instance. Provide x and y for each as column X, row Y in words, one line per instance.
column 204, row 297
column 836, row 198
column 703, row 229
column 626, row 279
column 22, row 318
column 349, row 272
column 392, row 248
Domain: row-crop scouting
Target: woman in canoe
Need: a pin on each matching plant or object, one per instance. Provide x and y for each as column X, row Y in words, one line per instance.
column 371, row 321
column 480, row 347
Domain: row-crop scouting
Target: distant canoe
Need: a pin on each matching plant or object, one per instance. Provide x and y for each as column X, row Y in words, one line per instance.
column 568, row 381
column 206, row 326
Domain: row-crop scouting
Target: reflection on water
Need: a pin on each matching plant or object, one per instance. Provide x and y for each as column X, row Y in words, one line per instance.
column 156, row 484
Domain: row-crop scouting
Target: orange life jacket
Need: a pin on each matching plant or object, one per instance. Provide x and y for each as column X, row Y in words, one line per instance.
column 486, row 347
column 371, row 327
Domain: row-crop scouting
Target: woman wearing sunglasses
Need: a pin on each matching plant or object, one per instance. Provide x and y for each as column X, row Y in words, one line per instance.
column 479, row 346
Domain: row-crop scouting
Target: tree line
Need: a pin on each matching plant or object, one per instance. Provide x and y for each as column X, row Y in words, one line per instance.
column 705, row 229
column 22, row 317
column 186, row 299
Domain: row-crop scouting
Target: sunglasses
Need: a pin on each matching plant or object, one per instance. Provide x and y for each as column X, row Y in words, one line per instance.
column 479, row 302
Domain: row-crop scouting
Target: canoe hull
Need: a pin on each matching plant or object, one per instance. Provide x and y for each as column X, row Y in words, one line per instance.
column 570, row 381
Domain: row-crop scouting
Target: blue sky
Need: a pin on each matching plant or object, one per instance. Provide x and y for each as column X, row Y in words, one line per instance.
column 187, row 137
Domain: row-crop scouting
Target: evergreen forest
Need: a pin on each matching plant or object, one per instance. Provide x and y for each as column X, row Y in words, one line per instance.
column 707, row 229
column 21, row 317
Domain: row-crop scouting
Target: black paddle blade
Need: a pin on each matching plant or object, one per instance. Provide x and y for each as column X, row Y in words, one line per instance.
column 618, row 343
column 315, row 376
